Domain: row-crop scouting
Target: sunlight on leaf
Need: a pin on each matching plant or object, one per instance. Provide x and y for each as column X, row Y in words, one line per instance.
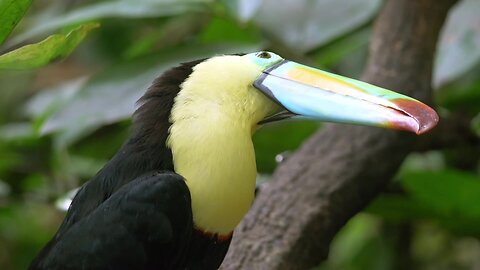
column 11, row 12
column 52, row 48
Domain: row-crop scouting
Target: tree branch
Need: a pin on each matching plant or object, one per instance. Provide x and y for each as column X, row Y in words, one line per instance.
column 339, row 170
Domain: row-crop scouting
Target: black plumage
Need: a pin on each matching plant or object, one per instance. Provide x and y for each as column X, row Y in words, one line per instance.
column 123, row 217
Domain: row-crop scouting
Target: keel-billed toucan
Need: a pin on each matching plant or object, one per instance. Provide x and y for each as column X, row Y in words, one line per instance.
column 172, row 195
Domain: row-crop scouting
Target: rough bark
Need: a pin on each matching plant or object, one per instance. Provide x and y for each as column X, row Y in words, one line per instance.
column 339, row 170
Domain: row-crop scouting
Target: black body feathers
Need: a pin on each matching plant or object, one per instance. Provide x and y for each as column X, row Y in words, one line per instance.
column 136, row 212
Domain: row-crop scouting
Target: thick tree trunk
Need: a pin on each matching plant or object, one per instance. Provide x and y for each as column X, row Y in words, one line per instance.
column 339, row 170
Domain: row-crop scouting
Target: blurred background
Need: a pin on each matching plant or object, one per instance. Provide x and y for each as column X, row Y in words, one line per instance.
column 66, row 102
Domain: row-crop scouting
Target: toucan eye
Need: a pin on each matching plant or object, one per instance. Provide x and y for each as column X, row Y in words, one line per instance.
column 264, row 55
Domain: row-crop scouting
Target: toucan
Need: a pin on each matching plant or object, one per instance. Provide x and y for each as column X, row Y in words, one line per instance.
column 171, row 197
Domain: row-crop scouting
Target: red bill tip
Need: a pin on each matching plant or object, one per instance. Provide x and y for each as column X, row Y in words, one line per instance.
column 425, row 116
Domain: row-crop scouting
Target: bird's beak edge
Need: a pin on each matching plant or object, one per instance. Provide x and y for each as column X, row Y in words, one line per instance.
column 315, row 94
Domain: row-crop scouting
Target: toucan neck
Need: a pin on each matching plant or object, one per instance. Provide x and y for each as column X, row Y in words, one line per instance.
column 218, row 161
column 216, row 156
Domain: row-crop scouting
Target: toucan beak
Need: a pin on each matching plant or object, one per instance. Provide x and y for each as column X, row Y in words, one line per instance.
column 307, row 92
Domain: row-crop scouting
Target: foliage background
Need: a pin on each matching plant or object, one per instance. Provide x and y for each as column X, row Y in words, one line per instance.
column 71, row 72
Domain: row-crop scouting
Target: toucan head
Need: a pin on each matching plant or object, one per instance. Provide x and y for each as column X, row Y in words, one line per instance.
column 263, row 87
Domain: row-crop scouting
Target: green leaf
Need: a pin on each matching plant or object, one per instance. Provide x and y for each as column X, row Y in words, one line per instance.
column 459, row 46
column 112, row 9
column 220, row 29
column 359, row 245
column 319, row 23
column 268, row 143
column 110, row 96
column 427, row 161
column 462, row 95
column 448, row 197
column 339, row 49
column 451, row 193
column 10, row 158
column 16, row 131
column 46, row 51
column 476, row 124
column 24, row 229
column 15, row 87
column 11, row 12
column 398, row 208
column 172, row 33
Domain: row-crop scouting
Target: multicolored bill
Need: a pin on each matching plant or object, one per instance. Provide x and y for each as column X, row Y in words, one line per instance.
column 316, row 94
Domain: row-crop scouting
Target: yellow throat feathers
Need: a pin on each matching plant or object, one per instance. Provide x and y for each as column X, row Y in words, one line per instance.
column 213, row 118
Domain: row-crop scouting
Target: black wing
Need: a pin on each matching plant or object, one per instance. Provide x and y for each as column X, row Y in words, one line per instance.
column 146, row 224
